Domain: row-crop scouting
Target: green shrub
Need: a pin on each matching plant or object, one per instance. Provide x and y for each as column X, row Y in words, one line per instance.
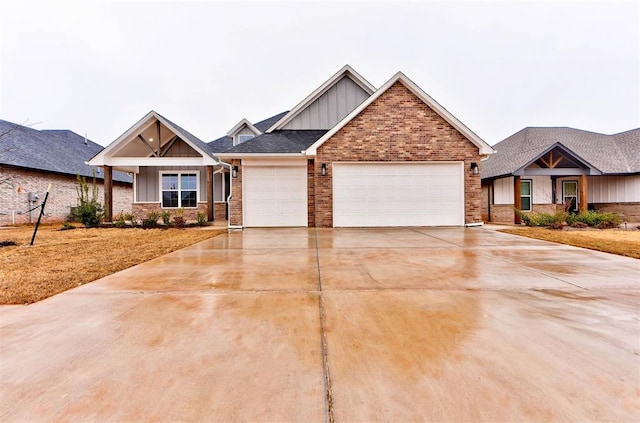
column 120, row 221
column 89, row 210
column 596, row 219
column 131, row 217
column 178, row 219
column 66, row 226
column 166, row 217
column 201, row 218
column 557, row 220
column 151, row 220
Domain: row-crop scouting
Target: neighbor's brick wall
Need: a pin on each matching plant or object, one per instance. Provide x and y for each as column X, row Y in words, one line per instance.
column 627, row 211
column 19, row 182
column 141, row 210
column 396, row 127
column 235, row 205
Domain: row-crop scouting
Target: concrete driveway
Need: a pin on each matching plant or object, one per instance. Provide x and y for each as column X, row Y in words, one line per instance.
column 346, row 325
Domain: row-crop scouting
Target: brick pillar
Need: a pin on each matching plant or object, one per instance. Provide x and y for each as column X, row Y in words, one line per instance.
column 235, row 205
column 108, row 193
column 517, row 200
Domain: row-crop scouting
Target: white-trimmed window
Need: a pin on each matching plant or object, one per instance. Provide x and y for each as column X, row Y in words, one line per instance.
column 179, row 189
column 525, row 195
column 243, row 138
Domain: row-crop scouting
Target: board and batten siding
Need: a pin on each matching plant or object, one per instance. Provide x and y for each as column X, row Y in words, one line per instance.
column 614, row 189
column 148, row 182
column 331, row 107
column 541, row 185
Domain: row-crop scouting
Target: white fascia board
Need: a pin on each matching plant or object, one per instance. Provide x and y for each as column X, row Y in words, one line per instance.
column 346, row 70
column 139, row 126
column 239, row 126
column 259, row 155
column 400, row 77
column 160, row 161
column 203, row 153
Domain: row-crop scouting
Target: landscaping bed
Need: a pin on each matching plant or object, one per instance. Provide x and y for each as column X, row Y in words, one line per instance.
column 61, row 260
column 617, row 241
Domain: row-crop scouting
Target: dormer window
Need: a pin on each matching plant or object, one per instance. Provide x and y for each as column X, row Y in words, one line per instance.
column 243, row 138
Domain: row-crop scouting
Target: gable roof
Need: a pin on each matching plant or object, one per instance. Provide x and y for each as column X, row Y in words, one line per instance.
column 346, row 71
column 609, row 154
column 287, row 141
column 223, row 144
column 243, row 122
column 58, row 151
column 418, row 92
column 194, row 142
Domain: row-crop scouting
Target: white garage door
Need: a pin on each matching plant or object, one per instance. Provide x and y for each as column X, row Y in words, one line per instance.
column 274, row 196
column 398, row 194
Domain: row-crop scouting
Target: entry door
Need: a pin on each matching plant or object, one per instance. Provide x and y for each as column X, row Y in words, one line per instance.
column 570, row 195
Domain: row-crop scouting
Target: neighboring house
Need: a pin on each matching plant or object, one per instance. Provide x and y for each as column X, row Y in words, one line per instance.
column 347, row 155
column 32, row 159
column 542, row 169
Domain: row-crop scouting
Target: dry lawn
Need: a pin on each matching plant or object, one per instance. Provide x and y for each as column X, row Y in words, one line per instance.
column 616, row 241
column 61, row 260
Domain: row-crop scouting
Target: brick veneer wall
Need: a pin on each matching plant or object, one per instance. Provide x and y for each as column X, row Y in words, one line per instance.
column 311, row 194
column 397, row 126
column 235, row 205
column 142, row 209
column 219, row 211
column 629, row 212
column 19, row 182
column 504, row 213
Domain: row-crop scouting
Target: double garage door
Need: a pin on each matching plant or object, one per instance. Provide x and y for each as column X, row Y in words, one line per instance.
column 364, row 195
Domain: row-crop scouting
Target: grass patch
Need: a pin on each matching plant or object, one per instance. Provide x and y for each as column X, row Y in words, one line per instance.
column 61, row 260
column 615, row 241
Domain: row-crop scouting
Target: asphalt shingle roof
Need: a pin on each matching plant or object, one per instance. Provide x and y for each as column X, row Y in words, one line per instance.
column 59, row 151
column 610, row 154
column 225, row 143
column 286, row 141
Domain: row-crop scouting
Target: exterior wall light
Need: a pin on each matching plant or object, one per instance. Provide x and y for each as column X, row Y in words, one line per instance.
column 474, row 168
column 323, row 169
column 234, row 172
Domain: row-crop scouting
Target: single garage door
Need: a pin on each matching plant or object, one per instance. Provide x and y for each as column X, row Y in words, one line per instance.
column 398, row 194
column 274, row 196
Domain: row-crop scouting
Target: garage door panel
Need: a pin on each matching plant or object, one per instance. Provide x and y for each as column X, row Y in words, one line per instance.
column 275, row 196
column 398, row 194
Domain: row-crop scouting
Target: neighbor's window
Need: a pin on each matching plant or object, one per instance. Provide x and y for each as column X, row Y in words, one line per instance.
column 179, row 190
column 525, row 195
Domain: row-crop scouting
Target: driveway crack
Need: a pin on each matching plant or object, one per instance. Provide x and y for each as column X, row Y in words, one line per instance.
column 323, row 343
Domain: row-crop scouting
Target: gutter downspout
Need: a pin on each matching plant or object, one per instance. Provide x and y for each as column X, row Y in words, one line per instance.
column 469, row 225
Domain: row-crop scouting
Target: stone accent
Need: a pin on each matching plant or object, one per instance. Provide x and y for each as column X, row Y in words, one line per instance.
column 629, row 212
column 141, row 210
column 235, row 205
column 18, row 183
column 396, row 127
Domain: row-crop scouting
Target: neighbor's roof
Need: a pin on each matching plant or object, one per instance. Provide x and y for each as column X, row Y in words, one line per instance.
column 59, row 151
column 278, row 142
column 225, row 143
column 610, row 154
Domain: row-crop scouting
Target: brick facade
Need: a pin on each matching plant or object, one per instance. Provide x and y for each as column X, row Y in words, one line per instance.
column 219, row 211
column 396, row 127
column 142, row 209
column 235, row 205
column 629, row 212
column 17, row 183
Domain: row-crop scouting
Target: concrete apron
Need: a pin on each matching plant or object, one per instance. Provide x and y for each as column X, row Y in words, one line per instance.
column 311, row 325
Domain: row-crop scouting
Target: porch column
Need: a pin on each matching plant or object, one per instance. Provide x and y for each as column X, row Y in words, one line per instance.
column 108, row 193
column 517, row 200
column 583, row 196
column 210, row 193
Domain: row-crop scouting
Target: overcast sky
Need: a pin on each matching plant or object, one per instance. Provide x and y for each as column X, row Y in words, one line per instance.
column 96, row 67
